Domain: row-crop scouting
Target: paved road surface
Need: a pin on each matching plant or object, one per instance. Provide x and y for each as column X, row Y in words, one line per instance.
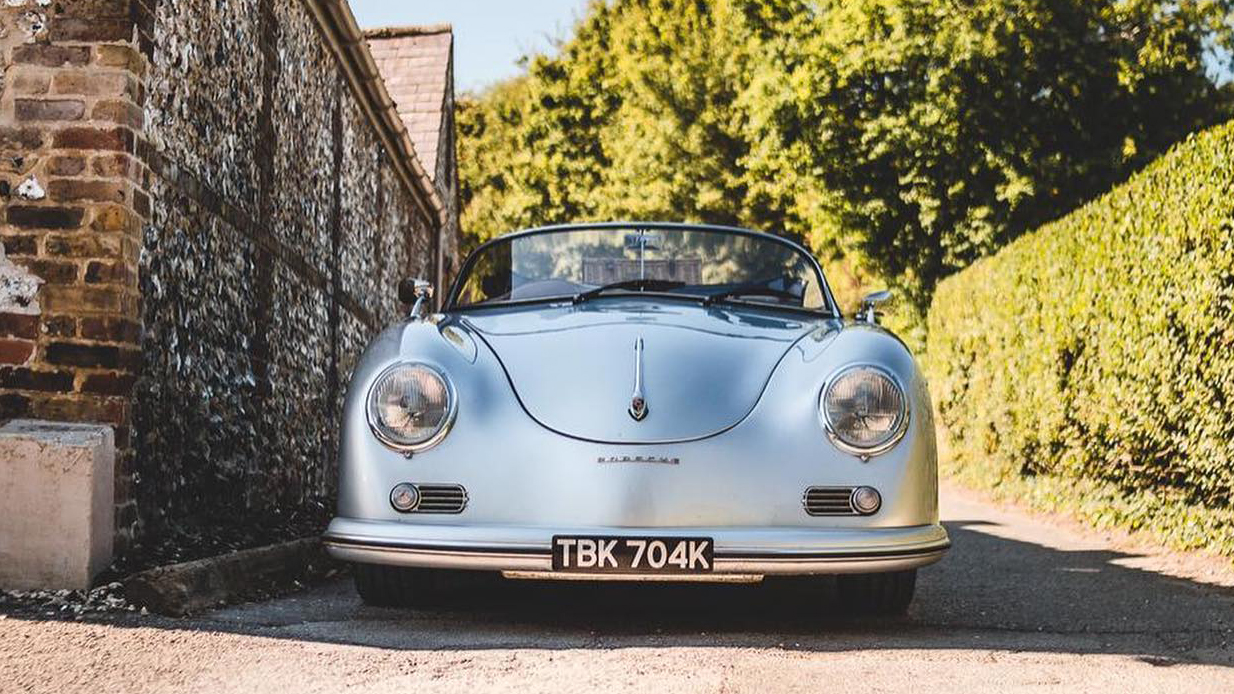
column 1022, row 603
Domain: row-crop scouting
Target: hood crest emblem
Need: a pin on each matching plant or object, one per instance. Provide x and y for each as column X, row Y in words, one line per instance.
column 638, row 403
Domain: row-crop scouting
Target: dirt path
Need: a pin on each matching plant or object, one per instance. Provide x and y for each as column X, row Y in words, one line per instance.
column 1021, row 603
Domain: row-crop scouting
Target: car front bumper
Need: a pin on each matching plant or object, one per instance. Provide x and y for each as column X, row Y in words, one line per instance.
column 743, row 551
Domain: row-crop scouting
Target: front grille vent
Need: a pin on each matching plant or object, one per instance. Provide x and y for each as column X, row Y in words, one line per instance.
column 441, row 498
column 829, row 501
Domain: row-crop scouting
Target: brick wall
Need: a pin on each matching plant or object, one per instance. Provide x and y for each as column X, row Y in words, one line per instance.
column 213, row 230
column 74, row 199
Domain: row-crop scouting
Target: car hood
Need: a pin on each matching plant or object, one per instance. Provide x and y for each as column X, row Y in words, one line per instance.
column 703, row 368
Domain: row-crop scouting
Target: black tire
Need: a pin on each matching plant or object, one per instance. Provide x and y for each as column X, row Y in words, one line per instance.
column 392, row 586
column 885, row 594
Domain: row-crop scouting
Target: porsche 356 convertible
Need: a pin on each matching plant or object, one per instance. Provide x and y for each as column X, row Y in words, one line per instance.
column 638, row 401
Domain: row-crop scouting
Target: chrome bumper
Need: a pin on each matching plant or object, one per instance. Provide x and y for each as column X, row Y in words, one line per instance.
column 745, row 551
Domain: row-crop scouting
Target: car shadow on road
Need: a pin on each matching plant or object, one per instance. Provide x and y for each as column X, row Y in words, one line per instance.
column 989, row 593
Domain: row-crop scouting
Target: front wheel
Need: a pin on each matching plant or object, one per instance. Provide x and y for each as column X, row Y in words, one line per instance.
column 885, row 594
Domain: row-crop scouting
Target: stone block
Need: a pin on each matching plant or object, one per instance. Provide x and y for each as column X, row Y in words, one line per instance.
column 91, row 29
column 113, row 165
column 95, row 299
column 51, row 56
column 60, row 326
column 21, row 378
column 74, row 189
column 77, row 408
column 26, row 138
column 56, row 505
column 121, row 56
column 119, row 111
column 112, row 218
column 53, row 271
column 19, row 244
column 113, row 139
column 111, row 329
column 45, row 217
column 108, row 383
column 107, row 272
column 15, row 351
column 83, row 246
column 31, row 83
column 49, row 109
column 19, row 325
column 66, row 166
column 94, row 83
column 92, row 355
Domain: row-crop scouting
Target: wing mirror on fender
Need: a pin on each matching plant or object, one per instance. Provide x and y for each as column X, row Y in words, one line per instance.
column 415, row 291
column 869, row 304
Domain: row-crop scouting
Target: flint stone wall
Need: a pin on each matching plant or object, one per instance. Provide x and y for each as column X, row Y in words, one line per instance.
column 270, row 230
column 278, row 234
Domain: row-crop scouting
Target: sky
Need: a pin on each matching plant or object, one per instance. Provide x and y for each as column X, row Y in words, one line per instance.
column 489, row 35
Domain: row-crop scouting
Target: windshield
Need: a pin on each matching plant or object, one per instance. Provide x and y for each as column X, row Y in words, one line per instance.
column 580, row 264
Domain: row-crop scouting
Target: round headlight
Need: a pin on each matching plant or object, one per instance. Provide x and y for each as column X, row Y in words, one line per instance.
column 410, row 406
column 864, row 410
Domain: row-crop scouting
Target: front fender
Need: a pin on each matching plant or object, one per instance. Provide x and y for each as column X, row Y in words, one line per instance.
column 908, row 472
column 441, row 342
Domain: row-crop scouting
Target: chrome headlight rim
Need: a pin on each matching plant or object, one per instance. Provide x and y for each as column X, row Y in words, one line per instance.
column 442, row 430
column 897, row 431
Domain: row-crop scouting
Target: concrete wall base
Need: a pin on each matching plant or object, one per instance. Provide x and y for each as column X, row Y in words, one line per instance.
column 56, row 503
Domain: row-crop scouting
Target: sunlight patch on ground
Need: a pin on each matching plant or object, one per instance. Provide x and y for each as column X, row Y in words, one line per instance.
column 1010, row 522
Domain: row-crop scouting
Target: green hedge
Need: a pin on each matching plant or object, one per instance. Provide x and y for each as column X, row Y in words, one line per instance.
column 1090, row 364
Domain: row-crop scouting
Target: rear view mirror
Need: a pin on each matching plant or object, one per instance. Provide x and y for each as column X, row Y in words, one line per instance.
column 643, row 241
column 415, row 291
column 869, row 304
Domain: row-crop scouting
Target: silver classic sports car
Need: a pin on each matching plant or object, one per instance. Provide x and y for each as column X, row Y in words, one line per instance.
column 638, row 401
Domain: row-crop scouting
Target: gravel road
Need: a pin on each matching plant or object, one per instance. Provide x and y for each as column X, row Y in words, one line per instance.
column 1021, row 603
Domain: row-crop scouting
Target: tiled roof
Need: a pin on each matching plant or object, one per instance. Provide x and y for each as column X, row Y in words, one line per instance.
column 414, row 62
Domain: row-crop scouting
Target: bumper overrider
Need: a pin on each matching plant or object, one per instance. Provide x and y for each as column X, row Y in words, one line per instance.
column 743, row 551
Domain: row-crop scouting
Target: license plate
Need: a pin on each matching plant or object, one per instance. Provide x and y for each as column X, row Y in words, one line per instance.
column 633, row 555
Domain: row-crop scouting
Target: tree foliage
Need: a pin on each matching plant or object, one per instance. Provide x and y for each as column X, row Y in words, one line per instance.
column 906, row 137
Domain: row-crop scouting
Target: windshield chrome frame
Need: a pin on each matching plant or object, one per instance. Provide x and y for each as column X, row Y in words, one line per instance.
column 456, row 288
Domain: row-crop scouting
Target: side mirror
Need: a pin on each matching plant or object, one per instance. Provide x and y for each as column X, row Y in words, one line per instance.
column 870, row 303
column 415, row 292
